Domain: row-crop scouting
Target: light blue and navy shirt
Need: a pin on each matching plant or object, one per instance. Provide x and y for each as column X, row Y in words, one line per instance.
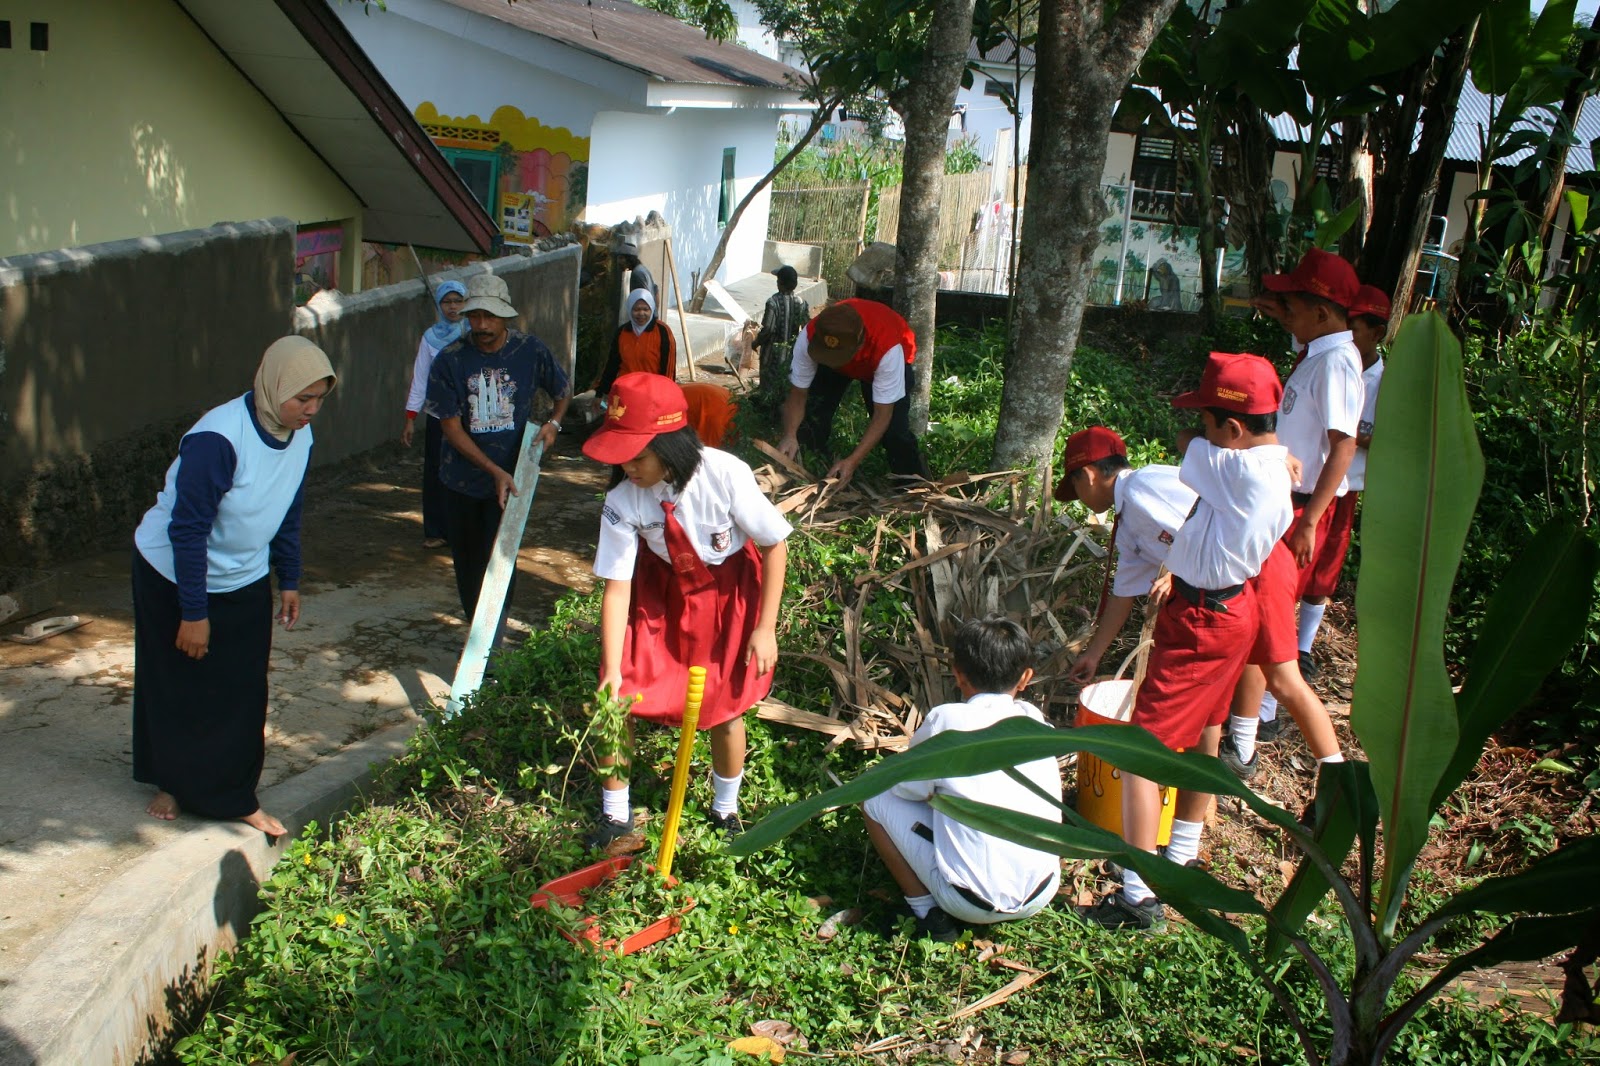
column 230, row 507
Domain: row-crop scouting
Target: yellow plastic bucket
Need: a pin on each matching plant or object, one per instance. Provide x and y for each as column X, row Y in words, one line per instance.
column 1100, row 783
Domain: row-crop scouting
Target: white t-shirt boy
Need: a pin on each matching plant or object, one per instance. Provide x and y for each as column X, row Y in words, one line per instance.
column 1242, row 511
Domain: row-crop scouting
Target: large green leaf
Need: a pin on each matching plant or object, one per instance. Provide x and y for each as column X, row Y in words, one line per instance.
column 1537, row 614
column 1497, row 54
column 1527, row 939
column 1423, row 476
column 1012, row 743
column 1558, row 883
column 1345, row 808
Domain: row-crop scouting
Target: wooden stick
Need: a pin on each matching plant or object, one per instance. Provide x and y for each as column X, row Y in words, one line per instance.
column 680, row 770
column 683, row 319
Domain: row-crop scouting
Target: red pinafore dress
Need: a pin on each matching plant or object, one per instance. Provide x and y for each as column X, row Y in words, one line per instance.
column 686, row 613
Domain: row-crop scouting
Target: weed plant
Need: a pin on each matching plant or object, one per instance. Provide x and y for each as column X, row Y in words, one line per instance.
column 405, row 934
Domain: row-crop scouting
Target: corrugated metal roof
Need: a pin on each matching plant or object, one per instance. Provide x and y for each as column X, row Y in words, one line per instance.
column 1005, row 53
column 1472, row 117
column 644, row 40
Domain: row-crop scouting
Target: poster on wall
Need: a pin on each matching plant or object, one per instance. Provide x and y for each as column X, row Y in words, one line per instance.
column 316, row 259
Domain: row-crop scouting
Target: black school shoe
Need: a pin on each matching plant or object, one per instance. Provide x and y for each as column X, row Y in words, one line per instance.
column 607, row 831
column 938, row 926
column 726, row 824
column 1309, row 668
column 1269, row 732
column 1228, row 752
column 1115, row 912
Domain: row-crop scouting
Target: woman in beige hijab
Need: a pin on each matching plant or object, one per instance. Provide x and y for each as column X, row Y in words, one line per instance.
column 202, row 598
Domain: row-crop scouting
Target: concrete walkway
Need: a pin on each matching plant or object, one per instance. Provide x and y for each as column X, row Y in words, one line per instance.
column 377, row 642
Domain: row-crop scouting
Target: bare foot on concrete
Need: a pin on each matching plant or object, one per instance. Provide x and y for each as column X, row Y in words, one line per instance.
column 164, row 807
column 265, row 822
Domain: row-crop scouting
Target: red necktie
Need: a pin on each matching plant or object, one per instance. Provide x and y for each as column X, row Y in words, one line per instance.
column 697, row 626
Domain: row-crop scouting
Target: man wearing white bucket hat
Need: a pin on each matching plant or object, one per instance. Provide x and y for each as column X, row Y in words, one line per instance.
column 481, row 390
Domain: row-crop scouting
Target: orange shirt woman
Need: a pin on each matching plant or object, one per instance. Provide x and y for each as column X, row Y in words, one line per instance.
column 643, row 345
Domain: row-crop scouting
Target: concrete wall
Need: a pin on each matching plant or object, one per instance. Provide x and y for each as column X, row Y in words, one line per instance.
column 371, row 337
column 109, row 353
column 673, row 164
column 988, row 115
column 136, row 125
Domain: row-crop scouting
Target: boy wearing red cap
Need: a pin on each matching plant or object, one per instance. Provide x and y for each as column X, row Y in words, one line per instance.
column 1208, row 618
column 1320, row 414
column 693, row 557
column 866, row 342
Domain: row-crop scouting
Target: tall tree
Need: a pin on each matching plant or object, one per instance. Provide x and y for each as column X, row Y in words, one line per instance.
column 1087, row 51
column 924, row 104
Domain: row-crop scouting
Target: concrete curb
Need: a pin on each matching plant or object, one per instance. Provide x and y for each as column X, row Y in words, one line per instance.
column 107, row 986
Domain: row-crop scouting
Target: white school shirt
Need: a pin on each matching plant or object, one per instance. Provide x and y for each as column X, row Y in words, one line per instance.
column 1322, row 395
column 888, row 379
column 719, row 509
column 1003, row 873
column 1356, row 478
column 1151, row 504
column 1243, row 510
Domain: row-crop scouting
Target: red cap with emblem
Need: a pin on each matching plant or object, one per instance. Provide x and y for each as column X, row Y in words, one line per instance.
column 1320, row 274
column 1370, row 300
column 1242, row 383
column 1084, row 447
column 642, row 406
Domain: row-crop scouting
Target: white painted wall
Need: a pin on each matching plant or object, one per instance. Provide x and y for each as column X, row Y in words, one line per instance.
column 987, row 115
column 673, row 164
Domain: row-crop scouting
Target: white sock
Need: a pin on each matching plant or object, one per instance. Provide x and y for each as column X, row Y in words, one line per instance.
column 920, row 905
column 1185, row 843
column 1310, row 622
column 725, row 793
column 1269, row 707
column 1337, row 756
column 1134, row 890
column 614, row 804
column 1243, row 732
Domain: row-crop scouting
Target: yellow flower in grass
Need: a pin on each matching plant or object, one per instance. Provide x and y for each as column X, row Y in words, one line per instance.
column 733, row 930
column 339, row 919
column 307, row 859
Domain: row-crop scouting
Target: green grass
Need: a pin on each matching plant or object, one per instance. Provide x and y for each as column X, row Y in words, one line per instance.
column 405, row 935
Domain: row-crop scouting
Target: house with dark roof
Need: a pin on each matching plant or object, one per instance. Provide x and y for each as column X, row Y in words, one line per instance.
column 558, row 110
column 134, row 118
column 1000, row 76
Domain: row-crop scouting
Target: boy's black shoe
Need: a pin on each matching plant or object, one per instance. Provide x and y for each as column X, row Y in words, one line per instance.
column 938, row 926
column 1268, row 732
column 1228, row 752
column 726, row 824
column 1309, row 668
column 607, row 831
column 1115, row 912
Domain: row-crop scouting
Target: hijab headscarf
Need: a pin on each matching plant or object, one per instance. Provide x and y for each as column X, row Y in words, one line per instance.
column 444, row 333
column 634, row 297
column 290, row 365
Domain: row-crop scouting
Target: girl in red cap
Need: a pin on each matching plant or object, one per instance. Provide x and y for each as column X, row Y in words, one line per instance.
column 693, row 557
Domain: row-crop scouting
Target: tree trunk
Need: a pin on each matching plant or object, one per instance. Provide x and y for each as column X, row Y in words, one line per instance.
column 925, row 105
column 1422, row 170
column 1571, row 111
column 1206, row 216
column 1084, row 65
column 819, row 118
column 1355, row 185
column 1392, row 133
column 1245, row 181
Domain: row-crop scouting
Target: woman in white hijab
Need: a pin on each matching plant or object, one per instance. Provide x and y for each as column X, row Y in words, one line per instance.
column 202, row 598
column 643, row 345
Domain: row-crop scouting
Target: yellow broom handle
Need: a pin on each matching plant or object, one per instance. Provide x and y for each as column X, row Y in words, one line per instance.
column 680, row 771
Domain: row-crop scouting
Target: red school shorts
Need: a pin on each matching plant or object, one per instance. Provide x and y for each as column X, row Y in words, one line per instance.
column 1198, row 656
column 1277, row 635
column 1320, row 576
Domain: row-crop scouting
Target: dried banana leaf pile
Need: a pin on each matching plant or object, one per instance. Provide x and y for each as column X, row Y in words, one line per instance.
column 924, row 559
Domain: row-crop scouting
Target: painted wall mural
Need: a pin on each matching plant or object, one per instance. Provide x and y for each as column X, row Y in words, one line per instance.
column 532, row 178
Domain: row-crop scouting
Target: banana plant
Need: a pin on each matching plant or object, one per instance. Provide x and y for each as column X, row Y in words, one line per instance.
column 1424, row 474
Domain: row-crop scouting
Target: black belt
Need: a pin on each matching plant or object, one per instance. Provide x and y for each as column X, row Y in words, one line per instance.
column 984, row 905
column 1211, row 599
column 972, row 897
column 1299, row 499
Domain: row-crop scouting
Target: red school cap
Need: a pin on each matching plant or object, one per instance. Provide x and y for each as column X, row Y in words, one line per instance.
column 1084, row 447
column 1320, row 274
column 1370, row 300
column 1239, row 382
column 642, row 407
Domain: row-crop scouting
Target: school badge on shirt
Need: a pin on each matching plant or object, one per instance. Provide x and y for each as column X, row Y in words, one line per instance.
column 721, row 539
column 1288, row 400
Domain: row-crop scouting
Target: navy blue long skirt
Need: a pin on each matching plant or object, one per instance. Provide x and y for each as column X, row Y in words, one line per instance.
column 198, row 725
